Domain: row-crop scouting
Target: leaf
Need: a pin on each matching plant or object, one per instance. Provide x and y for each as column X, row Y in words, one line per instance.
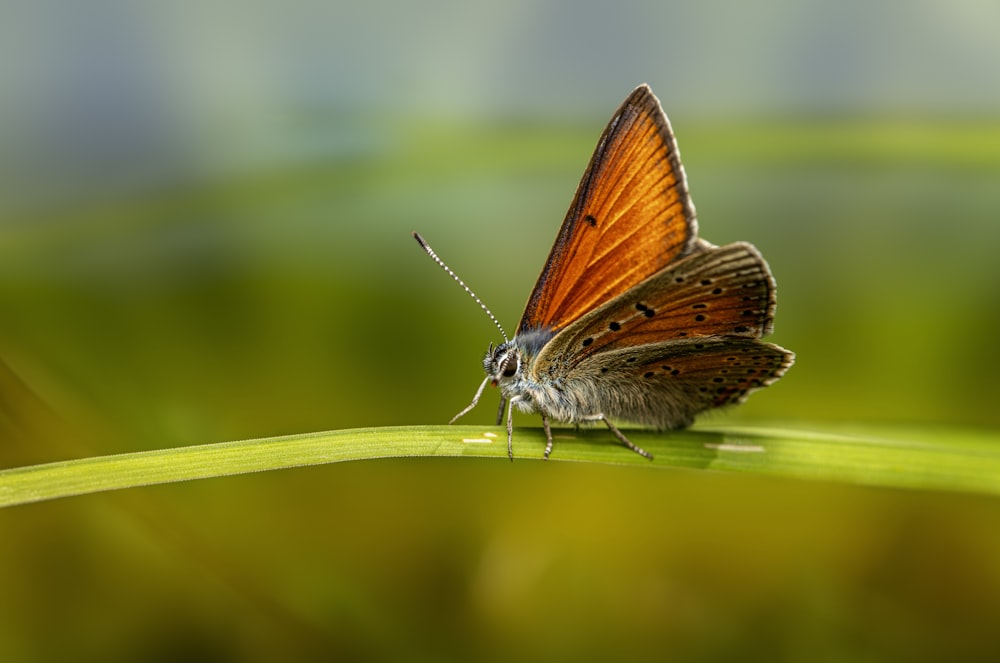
column 945, row 459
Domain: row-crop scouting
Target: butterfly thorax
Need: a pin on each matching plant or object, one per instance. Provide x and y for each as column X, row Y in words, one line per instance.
column 509, row 366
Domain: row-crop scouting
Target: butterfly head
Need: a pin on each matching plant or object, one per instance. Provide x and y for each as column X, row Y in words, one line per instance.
column 502, row 362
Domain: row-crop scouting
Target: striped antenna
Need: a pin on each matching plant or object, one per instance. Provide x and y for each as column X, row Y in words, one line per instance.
column 427, row 249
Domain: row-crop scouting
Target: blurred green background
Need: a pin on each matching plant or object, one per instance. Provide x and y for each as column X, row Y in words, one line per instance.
column 205, row 212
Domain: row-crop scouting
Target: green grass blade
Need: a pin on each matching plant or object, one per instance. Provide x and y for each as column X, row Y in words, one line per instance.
column 945, row 460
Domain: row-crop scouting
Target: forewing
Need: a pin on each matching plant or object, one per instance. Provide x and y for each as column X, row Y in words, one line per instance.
column 631, row 216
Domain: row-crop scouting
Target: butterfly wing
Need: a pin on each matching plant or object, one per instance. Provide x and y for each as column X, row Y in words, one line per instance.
column 631, row 216
column 681, row 342
column 725, row 291
column 667, row 384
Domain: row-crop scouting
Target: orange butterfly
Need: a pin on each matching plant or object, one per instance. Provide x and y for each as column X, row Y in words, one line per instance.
column 634, row 317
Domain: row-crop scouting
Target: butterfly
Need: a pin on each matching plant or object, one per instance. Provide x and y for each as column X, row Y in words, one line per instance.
column 634, row 317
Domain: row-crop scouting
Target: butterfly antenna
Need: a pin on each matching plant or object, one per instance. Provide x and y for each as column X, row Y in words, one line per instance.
column 429, row 251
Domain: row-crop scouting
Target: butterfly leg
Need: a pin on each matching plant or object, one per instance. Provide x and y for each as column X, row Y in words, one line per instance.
column 503, row 404
column 621, row 436
column 548, row 436
column 475, row 400
column 510, row 428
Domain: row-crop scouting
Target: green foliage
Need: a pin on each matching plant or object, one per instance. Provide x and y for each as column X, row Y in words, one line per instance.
column 288, row 299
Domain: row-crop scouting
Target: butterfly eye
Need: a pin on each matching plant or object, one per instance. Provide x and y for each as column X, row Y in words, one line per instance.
column 510, row 365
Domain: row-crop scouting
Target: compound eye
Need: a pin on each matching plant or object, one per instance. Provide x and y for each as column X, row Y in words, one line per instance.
column 510, row 366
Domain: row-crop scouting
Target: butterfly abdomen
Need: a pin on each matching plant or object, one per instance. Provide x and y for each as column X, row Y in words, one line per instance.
column 615, row 393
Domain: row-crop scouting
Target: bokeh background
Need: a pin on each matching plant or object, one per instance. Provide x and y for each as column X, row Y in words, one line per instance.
column 205, row 211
